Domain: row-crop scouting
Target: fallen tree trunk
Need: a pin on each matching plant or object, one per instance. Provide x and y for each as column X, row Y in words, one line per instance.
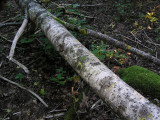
column 123, row 99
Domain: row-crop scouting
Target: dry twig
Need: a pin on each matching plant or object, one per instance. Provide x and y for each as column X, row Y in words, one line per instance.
column 10, row 19
column 82, row 5
column 9, row 24
column 20, row 65
column 34, row 94
column 18, row 35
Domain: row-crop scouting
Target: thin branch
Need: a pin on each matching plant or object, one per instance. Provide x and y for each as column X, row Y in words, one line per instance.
column 82, row 5
column 18, row 35
column 136, row 42
column 1, row 64
column 16, row 84
column 81, row 15
column 95, row 104
column 9, row 24
column 150, row 40
column 72, row 13
column 5, row 39
column 19, row 64
column 110, row 40
column 11, row 19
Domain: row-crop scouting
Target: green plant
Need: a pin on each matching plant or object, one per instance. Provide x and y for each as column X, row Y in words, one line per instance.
column 26, row 40
column 19, row 76
column 2, row 50
column 8, row 110
column 124, row 9
column 102, row 52
column 42, row 92
column 157, row 38
column 20, row 18
column 36, row 83
column 48, row 48
column 60, row 78
column 76, row 21
column 99, row 51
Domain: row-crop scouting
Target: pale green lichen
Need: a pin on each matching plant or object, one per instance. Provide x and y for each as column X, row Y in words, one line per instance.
column 59, row 21
column 83, row 58
column 79, row 66
column 142, row 79
column 83, row 31
column 128, row 47
column 75, row 40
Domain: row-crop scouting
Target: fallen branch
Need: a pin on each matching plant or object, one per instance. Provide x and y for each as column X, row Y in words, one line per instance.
column 9, row 24
column 19, row 64
column 5, row 39
column 110, row 40
column 28, row 90
column 100, row 4
column 72, row 13
column 10, row 19
column 18, row 35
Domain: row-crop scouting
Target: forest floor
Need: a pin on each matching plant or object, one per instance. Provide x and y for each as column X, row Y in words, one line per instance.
column 135, row 22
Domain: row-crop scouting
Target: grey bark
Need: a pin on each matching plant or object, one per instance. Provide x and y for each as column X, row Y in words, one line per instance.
column 123, row 99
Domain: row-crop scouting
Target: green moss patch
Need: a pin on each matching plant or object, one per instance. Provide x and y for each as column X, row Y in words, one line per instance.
column 142, row 79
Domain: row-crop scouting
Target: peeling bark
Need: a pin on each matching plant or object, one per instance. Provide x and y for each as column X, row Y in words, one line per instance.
column 123, row 99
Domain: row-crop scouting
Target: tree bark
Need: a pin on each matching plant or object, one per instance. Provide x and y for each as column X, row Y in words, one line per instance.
column 123, row 99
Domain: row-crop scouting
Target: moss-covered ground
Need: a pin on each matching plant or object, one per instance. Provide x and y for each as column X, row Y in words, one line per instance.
column 142, row 79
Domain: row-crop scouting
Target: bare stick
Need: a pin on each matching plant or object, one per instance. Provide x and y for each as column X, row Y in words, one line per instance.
column 16, row 84
column 135, row 42
column 11, row 19
column 18, row 35
column 95, row 104
column 109, row 39
column 150, row 40
column 82, row 5
column 5, row 39
column 72, row 13
column 19, row 64
column 9, row 24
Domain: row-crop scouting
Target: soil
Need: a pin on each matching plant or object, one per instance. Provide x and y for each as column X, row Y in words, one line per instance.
column 123, row 21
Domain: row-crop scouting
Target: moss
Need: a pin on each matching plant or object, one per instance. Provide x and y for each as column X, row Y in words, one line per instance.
column 128, row 46
column 83, row 31
column 142, row 79
column 71, row 113
column 79, row 66
column 59, row 21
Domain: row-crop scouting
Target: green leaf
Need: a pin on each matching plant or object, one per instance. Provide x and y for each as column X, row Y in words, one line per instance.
column 8, row 110
column 25, row 40
column 54, row 79
column 19, row 76
column 49, row 10
column 69, row 79
column 75, row 5
column 42, row 91
column 62, row 82
column 59, row 76
column 36, row 83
